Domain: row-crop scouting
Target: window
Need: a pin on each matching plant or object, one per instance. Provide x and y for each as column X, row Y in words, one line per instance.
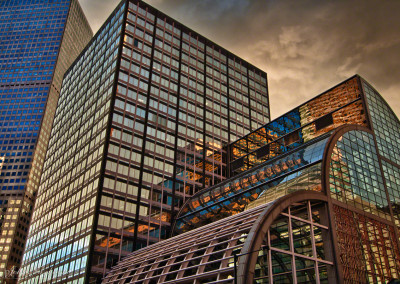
column 291, row 138
column 237, row 164
column 261, row 152
column 323, row 122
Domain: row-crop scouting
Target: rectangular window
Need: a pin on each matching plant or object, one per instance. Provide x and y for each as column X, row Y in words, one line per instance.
column 323, row 122
column 291, row 138
column 261, row 152
column 237, row 164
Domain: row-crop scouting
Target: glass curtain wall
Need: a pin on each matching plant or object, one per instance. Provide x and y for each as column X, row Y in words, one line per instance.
column 62, row 223
column 38, row 42
column 170, row 128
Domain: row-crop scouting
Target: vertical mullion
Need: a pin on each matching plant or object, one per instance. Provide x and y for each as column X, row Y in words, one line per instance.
column 294, row 276
column 314, row 249
column 140, row 182
column 178, row 97
column 270, row 279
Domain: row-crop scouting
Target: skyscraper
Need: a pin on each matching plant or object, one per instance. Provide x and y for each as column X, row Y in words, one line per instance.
column 143, row 120
column 315, row 200
column 38, row 41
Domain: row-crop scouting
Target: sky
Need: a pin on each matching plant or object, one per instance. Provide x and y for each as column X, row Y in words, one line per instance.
column 306, row 47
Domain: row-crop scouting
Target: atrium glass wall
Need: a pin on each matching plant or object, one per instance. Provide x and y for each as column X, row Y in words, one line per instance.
column 38, row 41
column 386, row 127
column 297, row 247
column 355, row 176
column 356, row 180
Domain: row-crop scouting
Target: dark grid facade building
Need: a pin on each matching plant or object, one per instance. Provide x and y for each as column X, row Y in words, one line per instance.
column 315, row 200
column 143, row 121
column 38, row 41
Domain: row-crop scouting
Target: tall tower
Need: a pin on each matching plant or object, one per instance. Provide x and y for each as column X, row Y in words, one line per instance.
column 143, row 120
column 38, row 41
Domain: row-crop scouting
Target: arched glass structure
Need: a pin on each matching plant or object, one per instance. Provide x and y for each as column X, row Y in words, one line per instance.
column 323, row 208
column 296, row 245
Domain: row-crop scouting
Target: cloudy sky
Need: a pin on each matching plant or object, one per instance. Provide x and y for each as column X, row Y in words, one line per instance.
column 306, row 46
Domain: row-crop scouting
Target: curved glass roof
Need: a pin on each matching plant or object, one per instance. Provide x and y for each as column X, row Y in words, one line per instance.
column 299, row 169
column 202, row 255
column 207, row 254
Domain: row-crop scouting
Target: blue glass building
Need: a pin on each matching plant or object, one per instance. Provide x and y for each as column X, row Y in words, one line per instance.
column 39, row 39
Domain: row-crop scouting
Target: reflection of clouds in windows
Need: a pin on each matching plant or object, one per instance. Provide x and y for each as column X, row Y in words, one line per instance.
column 271, row 181
column 386, row 125
column 355, row 174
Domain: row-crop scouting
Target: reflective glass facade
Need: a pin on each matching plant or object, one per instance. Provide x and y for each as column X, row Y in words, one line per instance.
column 38, row 41
column 297, row 170
column 62, row 223
column 283, row 156
column 356, row 180
column 338, row 106
column 385, row 124
column 392, row 177
column 387, row 131
column 143, row 123
column 355, row 176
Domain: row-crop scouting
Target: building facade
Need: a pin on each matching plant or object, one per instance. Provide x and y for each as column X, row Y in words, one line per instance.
column 315, row 200
column 38, row 41
column 143, row 122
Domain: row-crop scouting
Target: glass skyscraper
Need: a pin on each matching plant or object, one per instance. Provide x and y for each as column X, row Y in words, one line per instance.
column 38, row 41
column 142, row 124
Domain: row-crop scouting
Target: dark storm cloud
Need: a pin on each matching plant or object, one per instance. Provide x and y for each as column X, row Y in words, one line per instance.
column 305, row 47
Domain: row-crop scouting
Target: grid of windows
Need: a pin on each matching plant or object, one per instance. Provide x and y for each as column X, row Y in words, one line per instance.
column 338, row 106
column 134, row 146
column 22, row 110
column 355, row 177
column 392, row 179
column 61, row 229
column 385, row 124
column 170, row 127
column 368, row 247
column 38, row 41
column 27, row 62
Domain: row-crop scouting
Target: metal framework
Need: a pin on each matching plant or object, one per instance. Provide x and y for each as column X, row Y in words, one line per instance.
column 207, row 254
column 345, row 233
